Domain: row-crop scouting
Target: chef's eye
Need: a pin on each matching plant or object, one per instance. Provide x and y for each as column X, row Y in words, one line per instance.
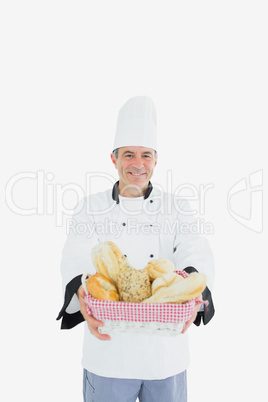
column 128, row 156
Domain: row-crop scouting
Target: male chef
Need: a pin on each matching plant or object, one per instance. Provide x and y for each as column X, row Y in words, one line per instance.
column 145, row 223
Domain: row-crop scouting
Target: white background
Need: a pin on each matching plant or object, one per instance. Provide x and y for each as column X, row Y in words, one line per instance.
column 66, row 69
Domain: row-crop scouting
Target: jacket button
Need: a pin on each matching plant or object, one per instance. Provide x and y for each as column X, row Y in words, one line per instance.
column 124, row 224
column 151, row 255
column 151, row 201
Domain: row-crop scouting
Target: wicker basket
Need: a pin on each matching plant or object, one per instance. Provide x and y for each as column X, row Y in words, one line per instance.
column 158, row 318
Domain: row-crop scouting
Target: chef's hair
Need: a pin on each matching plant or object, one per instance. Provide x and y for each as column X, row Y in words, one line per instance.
column 115, row 153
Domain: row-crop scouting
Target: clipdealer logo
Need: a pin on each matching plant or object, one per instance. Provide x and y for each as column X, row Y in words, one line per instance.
column 37, row 193
column 245, row 201
column 132, row 226
column 47, row 197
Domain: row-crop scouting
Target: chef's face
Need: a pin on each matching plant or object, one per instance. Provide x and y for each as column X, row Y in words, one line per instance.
column 135, row 167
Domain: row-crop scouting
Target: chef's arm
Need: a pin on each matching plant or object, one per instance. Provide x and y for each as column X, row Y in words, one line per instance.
column 92, row 323
column 192, row 253
column 76, row 260
column 206, row 312
column 74, row 289
column 72, row 318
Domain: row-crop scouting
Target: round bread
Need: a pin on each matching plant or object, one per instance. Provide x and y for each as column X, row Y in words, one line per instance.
column 134, row 285
column 102, row 288
column 159, row 267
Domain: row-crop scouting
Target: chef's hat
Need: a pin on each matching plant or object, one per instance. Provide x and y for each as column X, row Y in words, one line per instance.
column 136, row 124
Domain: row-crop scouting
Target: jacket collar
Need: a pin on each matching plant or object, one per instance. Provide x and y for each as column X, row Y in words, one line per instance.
column 115, row 192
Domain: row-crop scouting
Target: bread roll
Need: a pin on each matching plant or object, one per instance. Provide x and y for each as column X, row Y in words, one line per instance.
column 102, row 288
column 180, row 292
column 134, row 285
column 107, row 258
column 159, row 267
column 165, row 281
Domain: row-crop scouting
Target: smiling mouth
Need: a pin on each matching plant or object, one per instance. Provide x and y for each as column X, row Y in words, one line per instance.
column 136, row 174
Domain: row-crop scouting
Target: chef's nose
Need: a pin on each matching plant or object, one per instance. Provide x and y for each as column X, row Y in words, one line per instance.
column 138, row 162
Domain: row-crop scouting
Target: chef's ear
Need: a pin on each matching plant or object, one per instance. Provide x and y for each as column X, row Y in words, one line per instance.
column 156, row 158
column 114, row 160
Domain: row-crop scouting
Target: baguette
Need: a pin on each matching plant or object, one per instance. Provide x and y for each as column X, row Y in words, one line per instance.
column 165, row 280
column 180, row 292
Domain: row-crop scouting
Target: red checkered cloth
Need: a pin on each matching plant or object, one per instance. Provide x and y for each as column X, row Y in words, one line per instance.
column 141, row 312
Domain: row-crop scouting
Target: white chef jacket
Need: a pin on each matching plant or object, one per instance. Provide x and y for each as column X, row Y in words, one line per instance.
column 159, row 226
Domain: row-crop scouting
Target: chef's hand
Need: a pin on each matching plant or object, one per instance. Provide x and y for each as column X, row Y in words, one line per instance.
column 192, row 319
column 92, row 323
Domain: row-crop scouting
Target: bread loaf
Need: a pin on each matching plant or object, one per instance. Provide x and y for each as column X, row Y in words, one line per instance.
column 102, row 288
column 180, row 292
column 107, row 258
column 165, row 280
column 159, row 267
column 134, row 285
